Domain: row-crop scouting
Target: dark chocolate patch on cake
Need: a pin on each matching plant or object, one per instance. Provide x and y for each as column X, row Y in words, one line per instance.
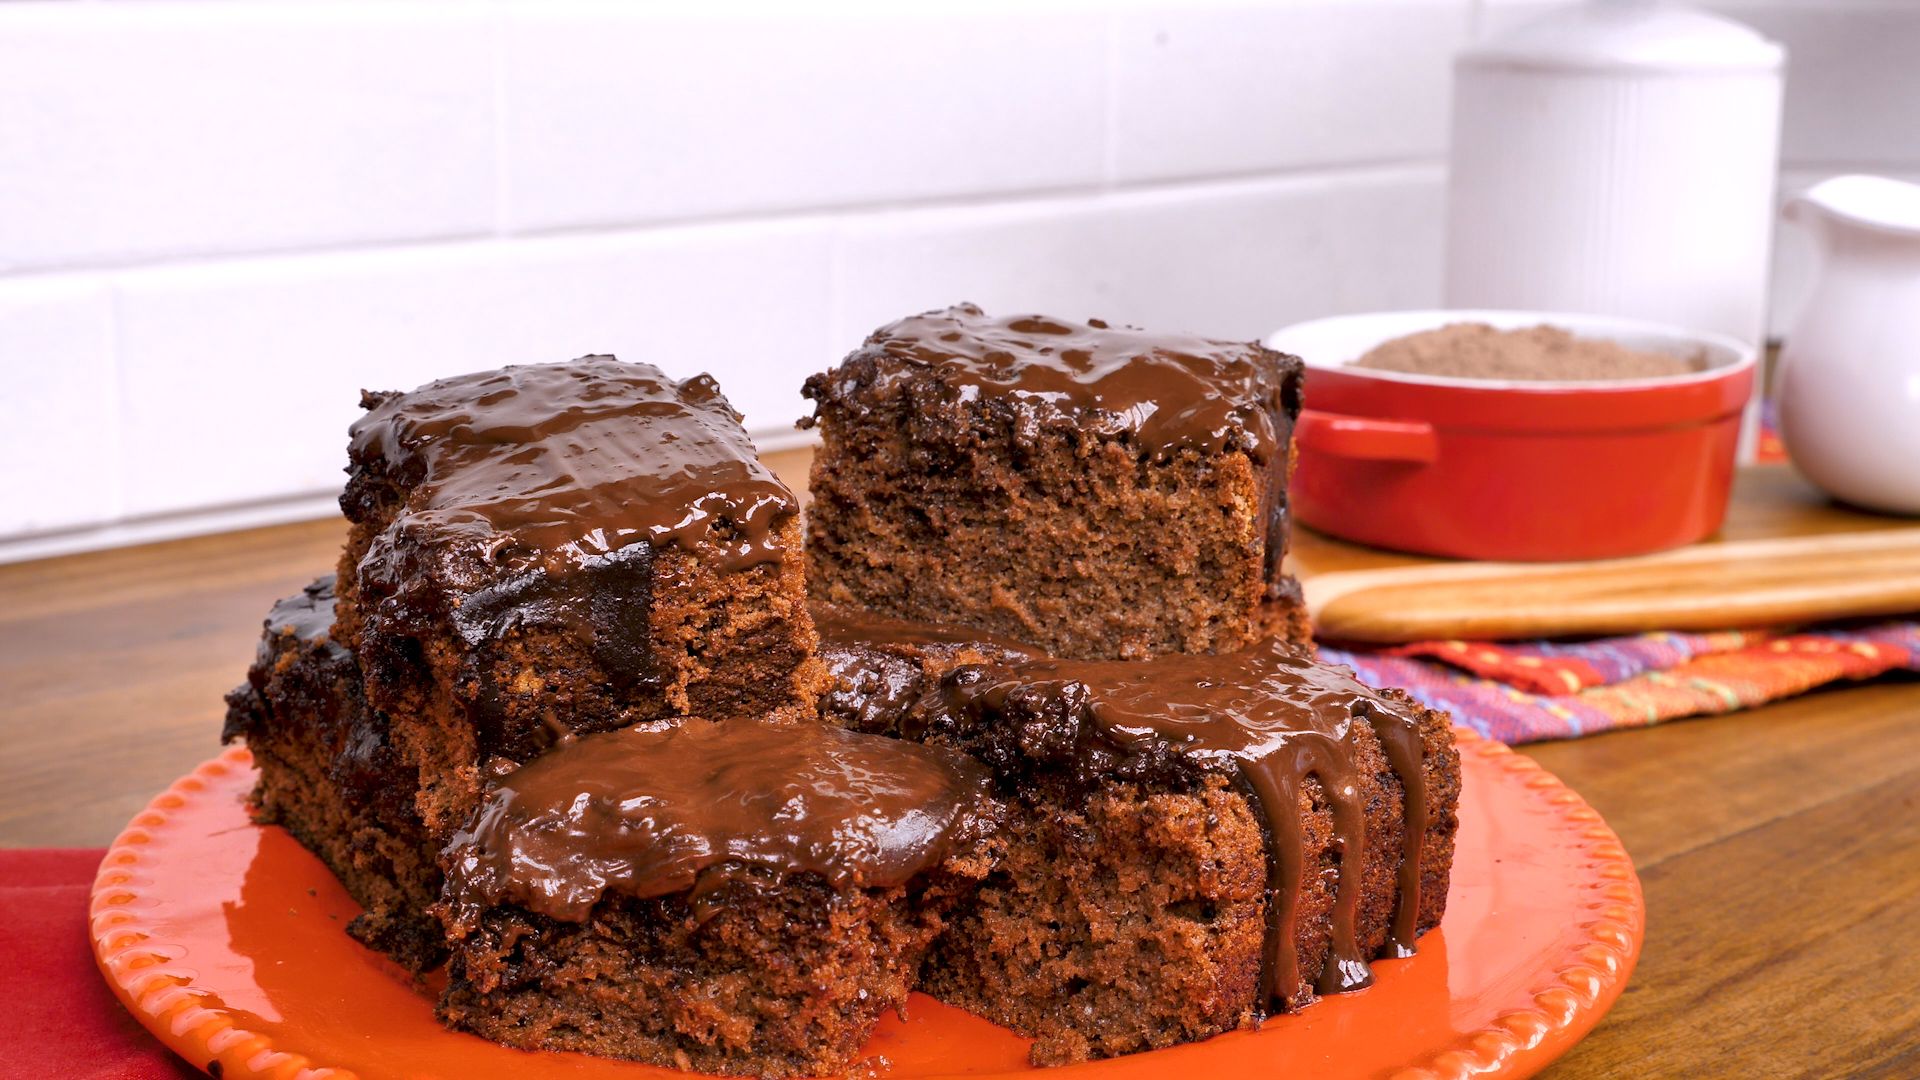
column 1270, row 717
column 308, row 616
column 1167, row 391
column 881, row 666
column 653, row 811
column 567, row 463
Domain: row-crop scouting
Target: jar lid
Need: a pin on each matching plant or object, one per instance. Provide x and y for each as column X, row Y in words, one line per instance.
column 1630, row 36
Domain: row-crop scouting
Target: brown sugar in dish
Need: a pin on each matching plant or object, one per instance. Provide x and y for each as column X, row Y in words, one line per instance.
column 1193, row 842
column 1097, row 491
column 742, row 896
column 569, row 547
column 1533, row 354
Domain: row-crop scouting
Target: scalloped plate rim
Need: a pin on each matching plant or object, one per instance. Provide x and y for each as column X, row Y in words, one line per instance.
column 1518, row 1043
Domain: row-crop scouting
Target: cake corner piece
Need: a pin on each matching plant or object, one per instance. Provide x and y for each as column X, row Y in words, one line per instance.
column 328, row 774
column 1193, row 842
column 1096, row 490
column 755, row 913
column 575, row 546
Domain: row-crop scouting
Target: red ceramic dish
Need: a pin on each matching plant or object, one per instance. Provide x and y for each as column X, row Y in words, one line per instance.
column 226, row 940
column 1488, row 469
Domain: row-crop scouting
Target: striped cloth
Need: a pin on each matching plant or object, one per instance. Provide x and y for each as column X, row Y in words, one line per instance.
column 1519, row 692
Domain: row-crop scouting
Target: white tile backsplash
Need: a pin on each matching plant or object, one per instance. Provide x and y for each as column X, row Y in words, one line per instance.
column 615, row 114
column 1232, row 259
column 242, row 378
column 1228, row 88
column 1853, row 77
column 219, row 219
column 145, row 131
column 59, row 453
column 748, row 303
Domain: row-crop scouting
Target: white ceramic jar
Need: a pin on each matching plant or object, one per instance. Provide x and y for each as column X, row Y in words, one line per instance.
column 1849, row 382
column 1617, row 158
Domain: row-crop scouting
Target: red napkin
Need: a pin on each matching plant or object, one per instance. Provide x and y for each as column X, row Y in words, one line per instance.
column 59, row 1018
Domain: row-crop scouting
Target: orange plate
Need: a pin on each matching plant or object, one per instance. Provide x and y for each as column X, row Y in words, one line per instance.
column 225, row 939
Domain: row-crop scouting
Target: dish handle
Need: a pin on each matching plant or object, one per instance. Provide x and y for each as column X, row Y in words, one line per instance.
column 1366, row 438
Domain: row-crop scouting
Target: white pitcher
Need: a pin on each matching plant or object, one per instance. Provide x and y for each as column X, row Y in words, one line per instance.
column 1849, row 387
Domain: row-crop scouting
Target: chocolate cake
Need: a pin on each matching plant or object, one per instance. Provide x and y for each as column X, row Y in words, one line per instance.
column 330, row 776
column 1098, row 491
column 1193, row 842
column 881, row 666
column 564, row 548
column 739, row 897
column 569, row 724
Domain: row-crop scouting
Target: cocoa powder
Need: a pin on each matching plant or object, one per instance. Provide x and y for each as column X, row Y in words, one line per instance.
column 1537, row 353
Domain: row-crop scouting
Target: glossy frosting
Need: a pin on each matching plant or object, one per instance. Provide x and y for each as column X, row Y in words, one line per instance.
column 1270, row 717
column 1168, row 391
column 307, row 615
column 651, row 811
column 881, row 666
column 1163, row 393
column 563, row 463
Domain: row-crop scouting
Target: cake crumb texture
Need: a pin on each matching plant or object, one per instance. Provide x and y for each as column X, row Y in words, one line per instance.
column 1097, row 492
column 330, row 776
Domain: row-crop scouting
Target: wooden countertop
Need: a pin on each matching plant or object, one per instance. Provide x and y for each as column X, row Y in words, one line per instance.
column 1780, row 848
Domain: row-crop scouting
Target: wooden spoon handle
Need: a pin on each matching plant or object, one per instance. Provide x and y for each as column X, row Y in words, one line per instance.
column 1705, row 587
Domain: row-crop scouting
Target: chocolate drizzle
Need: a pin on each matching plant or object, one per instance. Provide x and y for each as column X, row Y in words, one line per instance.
column 560, row 464
column 653, row 811
column 1400, row 740
column 881, row 666
column 1168, row 391
column 1163, row 394
column 1270, row 717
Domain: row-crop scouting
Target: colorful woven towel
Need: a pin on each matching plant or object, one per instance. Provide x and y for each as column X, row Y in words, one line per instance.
column 1519, row 692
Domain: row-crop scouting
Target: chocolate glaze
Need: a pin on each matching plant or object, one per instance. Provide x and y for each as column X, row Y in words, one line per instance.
column 881, row 666
column 307, row 615
column 538, row 500
column 1169, row 391
column 564, row 463
column 654, row 811
column 1166, row 393
column 296, row 642
column 300, row 675
column 1270, row 717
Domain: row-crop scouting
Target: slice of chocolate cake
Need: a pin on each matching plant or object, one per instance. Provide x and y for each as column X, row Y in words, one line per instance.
column 741, row 897
column 1101, row 492
column 331, row 777
column 1193, row 842
column 881, row 666
column 574, row 547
